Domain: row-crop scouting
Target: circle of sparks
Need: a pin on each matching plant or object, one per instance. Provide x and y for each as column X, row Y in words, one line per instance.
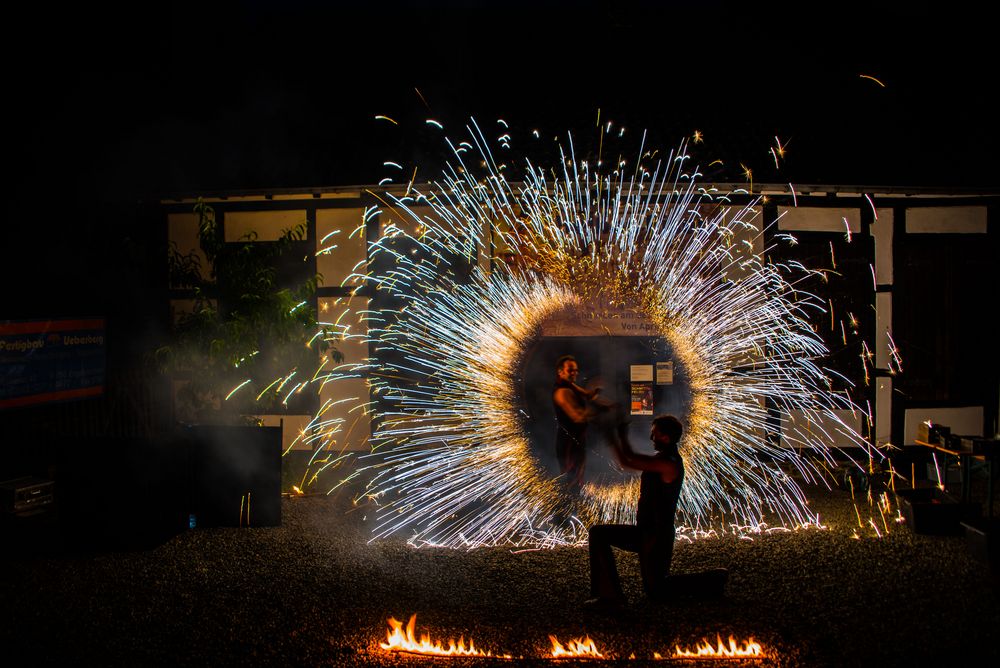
column 453, row 464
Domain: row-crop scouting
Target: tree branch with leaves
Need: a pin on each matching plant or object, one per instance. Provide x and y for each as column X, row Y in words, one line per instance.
column 251, row 326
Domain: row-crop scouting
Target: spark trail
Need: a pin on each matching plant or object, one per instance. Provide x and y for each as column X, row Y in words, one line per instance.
column 451, row 459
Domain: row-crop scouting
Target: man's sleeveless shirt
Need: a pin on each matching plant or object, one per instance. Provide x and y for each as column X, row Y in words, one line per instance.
column 658, row 499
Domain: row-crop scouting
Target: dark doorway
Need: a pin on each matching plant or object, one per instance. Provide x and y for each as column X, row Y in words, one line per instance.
column 609, row 358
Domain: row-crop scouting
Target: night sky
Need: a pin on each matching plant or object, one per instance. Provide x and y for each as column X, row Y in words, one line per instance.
column 111, row 107
column 270, row 95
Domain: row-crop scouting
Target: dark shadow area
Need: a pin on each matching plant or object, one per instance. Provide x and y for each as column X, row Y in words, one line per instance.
column 128, row 494
column 120, row 493
column 236, row 475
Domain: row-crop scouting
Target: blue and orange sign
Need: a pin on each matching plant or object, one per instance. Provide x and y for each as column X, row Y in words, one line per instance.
column 51, row 360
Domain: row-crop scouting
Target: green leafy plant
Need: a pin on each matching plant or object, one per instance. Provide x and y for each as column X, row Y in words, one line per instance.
column 252, row 327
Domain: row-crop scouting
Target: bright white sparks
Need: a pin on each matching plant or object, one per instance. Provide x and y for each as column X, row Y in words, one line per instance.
column 452, row 462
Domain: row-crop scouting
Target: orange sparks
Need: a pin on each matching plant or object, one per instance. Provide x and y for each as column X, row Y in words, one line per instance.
column 697, row 137
column 779, row 147
column 721, row 650
column 245, row 501
column 870, row 78
column 400, row 641
column 575, row 648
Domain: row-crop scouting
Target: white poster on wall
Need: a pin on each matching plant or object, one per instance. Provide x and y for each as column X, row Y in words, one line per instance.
column 641, row 373
column 665, row 373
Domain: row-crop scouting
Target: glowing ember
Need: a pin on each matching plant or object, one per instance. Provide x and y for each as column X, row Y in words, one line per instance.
column 721, row 650
column 405, row 641
column 575, row 648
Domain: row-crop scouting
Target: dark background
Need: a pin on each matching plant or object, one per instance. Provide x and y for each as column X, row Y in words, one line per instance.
column 247, row 95
column 110, row 110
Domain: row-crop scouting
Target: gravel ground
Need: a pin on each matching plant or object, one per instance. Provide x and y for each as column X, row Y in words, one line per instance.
column 314, row 592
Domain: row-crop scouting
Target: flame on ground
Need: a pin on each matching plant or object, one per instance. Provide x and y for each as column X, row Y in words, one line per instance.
column 722, row 650
column 575, row 648
column 406, row 641
column 399, row 639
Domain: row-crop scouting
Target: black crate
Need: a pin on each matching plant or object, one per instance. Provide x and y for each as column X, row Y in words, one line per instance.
column 979, row 446
column 982, row 538
column 27, row 494
column 928, row 510
column 236, row 475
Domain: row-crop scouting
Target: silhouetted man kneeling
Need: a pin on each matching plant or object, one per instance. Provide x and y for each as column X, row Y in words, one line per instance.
column 652, row 537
